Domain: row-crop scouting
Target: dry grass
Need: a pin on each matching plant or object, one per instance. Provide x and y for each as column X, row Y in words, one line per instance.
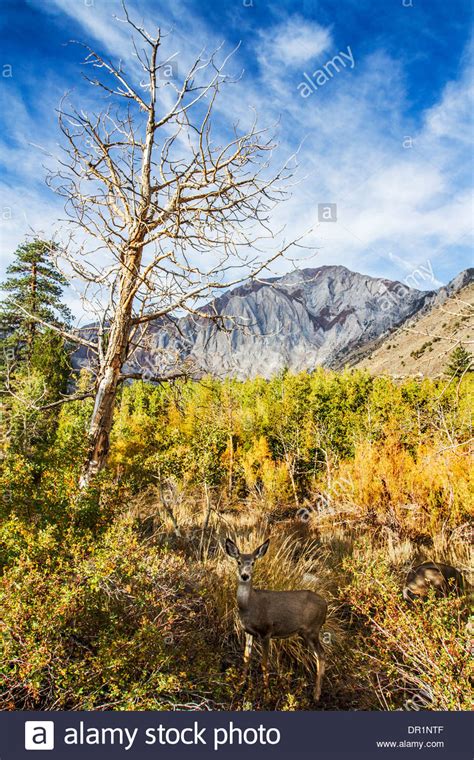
column 146, row 618
column 380, row 654
column 424, row 346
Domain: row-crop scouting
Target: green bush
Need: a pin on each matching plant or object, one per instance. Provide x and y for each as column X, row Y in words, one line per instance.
column 410, row 657
column 95, row 624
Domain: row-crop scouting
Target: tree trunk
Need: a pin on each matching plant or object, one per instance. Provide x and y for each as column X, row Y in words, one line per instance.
column 109, row 378
column 32, row 325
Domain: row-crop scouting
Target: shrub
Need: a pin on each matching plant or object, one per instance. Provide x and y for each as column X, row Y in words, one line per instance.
column 411, row 658
column 95, row 624
column 413, row 492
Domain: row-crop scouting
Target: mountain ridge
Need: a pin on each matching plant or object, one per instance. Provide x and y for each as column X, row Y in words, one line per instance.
column 300, row 320
column 328, row 315
column 422, row 344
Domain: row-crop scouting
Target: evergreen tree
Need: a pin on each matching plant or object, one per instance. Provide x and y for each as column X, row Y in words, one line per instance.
column 34, row 288
column 34, row 362
column 460, row 362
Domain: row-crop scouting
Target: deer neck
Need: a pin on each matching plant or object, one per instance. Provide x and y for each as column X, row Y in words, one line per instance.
column 244, row 593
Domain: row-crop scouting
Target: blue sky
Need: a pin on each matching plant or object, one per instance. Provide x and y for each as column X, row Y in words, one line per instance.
column 386, row 136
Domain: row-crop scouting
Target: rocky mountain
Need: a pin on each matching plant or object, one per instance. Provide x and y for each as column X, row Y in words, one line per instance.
column 423, row 343
column 458, row 283
column 306, row 318
column 328, row 316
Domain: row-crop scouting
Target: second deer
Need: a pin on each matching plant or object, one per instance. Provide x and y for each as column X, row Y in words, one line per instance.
column 432, row 575
column 276, row 614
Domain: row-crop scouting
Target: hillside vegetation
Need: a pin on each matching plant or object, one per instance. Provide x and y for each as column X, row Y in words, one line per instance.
column 424, row 344
column 124, row 598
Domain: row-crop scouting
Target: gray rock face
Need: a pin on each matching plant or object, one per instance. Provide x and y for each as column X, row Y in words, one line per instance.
column 307, row 318
column 457, row 283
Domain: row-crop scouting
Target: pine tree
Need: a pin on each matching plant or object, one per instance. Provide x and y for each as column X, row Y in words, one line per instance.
column 34, row 289
column 460, row 362
column 34, row 361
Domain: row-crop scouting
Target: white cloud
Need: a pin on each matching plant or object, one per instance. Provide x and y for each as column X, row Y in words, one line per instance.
column 293, row 42
column 411, row 202
column 97, row 24
column 395, row 205
column 454, row 112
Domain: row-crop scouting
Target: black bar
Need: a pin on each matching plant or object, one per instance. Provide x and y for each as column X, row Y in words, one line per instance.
column 325, row 735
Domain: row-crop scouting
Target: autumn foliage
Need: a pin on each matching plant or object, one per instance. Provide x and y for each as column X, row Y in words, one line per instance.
column 105, row 595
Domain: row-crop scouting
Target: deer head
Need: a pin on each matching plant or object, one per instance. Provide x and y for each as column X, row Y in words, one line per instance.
column 245, row 562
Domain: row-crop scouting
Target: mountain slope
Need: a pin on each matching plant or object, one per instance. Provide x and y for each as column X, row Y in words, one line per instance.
column 306, row 318
column 423, row 344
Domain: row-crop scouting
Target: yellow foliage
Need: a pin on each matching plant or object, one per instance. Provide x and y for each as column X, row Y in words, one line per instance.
column 264, row 475
column 422, row 489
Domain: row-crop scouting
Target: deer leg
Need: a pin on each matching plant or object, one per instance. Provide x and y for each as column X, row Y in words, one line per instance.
column 265, row 650
column 318, row 651
column 247, row 655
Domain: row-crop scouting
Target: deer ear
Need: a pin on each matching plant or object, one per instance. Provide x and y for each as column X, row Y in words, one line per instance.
column 261, row 550
column 231, row 549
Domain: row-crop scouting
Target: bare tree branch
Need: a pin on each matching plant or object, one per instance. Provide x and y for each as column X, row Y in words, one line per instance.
column 170, row 212
column 75, row 338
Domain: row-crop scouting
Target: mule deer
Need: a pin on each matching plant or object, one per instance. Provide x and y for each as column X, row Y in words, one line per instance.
column 432, row 575
column 276, row 614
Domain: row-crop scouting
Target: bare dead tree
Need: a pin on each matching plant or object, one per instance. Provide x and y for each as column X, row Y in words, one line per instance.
column 174, row 214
